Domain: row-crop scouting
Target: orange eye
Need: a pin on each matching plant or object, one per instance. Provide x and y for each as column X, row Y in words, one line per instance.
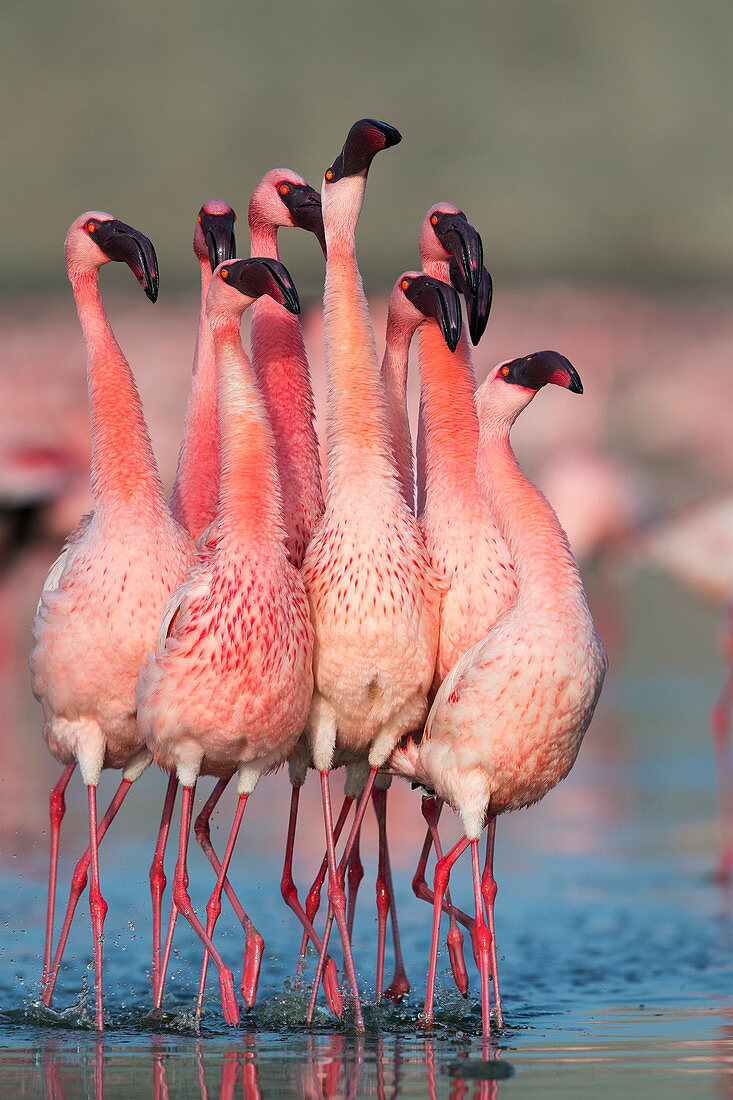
column 225, row 274
column 504, row 371
column 405, row 284
column 284, row 189
column 329, row 174
column 199, row 219
column 434, row 219
column 234, row 218
column 91, row 227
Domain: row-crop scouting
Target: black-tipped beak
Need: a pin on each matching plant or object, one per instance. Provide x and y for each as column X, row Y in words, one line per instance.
column 259, row 276
column 459, row 238
column 218, row 231
column 127, row 245
column 540, row 369
column 304, row 204
column 439, row 301
column 365, row 139
column 478, row 306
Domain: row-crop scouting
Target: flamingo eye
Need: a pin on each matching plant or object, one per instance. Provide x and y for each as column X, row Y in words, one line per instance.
column 234, row 218
column 284, row 189
column 91, row 227
column 504, row 372
column 405, row 284
column 329, row 174
column 199, row 219
column 225, row 274
column 434, row 219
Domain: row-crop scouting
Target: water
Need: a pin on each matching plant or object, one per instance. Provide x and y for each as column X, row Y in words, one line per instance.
column 614, row 938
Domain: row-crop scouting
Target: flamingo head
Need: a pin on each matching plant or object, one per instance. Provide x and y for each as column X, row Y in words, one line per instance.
column 418, row 298
column 445, row 232
column 365, row 139
column 96, row 238
column 236, row 284
column 511, row 385
column 213, row 238
column 283, row 198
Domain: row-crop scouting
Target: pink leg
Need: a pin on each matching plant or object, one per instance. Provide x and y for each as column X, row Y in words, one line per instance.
column 254, row 945
column 290, row 897
column 354, row 875
column 57, row 809
column 379, row 799
column 158, row 990
column 488, row 889
column 313, row 900
column 431, row 809
column 420, row 887
column 482, row 940
column 213, row 909
column 97, row 907
column 157, row 875
column 442, row 873
column 183, row 903
column 399, row 987
column 337, row 897
column 78, row 883
column 720, row 721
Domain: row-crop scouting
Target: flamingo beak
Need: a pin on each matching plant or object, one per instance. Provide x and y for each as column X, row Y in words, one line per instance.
column 123, row 243
column 478, row 306
column 218, row 231
column 459, row 238
column 540, row 369
column 304, row 204
column 365, row 139
column 259, row 276
column 439, row 301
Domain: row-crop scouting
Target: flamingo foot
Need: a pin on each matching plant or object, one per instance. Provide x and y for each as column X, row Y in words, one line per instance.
column 229, row 1004
column 331, row 987
column 254, row 948
column 457, row 960
column 398, row 988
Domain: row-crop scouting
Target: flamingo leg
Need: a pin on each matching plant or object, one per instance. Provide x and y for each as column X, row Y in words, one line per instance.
column 254, row 945
column 354, row 875
column 78, row 883
column 313, row 900
column 442, row 873
column 482, row 941
column 431, row 808
column 420, row 887
column 213, row 909
column 97, row 907
column 57, row 809
column 183, row 904
column 337, row 897
column 158, row 990
column 720, row 722
column 399, row 987
column 290, row 897
column 488, row 889
column 156, row 875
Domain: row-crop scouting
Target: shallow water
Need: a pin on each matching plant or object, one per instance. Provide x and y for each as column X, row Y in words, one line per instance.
column 614, row 938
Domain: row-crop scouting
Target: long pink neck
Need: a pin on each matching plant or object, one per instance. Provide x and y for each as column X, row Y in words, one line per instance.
column 281, row 367
column 550, row 589
column 394, row 380
column 124, row 474
column 250, row 502
column 357, row 433
column 195, row 497
column 448, row 441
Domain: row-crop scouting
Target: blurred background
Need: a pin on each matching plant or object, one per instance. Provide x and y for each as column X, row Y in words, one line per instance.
column 591, row 145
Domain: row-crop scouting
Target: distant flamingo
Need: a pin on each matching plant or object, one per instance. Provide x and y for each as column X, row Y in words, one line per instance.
column 101, row 603
column 371, row 588
column 508, row 720
column 230, row 686
column 195, row 497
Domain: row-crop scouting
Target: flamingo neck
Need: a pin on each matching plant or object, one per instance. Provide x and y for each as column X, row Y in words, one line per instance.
column 448, row 426
column 357, row 433
column 250, row 509
column 123, row 469
column 394, row 380
column 263, row 240
column 195, row 497
column 550, row 589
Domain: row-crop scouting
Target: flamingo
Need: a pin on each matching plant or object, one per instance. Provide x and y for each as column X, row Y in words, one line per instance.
column 229, row 687
column 372, row 591
column 507, row 721
column 101, row 603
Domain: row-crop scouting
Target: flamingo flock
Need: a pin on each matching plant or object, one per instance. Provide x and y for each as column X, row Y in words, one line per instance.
column 272, row 616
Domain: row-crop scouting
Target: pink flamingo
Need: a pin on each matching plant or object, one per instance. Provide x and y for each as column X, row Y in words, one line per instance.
column 508, row 719
column 101, row 603
column 374, row 604
column 195, row 497
column 230, row 685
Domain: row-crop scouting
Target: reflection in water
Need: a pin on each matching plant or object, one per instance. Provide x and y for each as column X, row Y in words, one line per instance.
column 324, row 1068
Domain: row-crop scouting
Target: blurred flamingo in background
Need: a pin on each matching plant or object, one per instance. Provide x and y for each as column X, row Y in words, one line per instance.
column 508, row 719
column 230, row 685
column 370, row 584
column 100, row 607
